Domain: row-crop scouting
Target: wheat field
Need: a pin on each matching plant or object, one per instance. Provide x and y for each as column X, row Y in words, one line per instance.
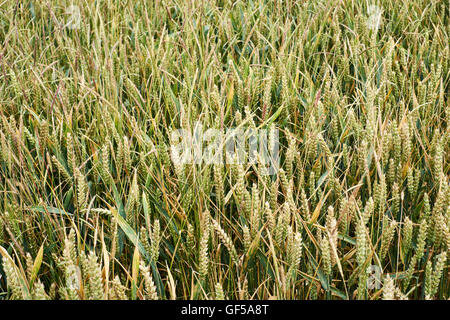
column 95, row 203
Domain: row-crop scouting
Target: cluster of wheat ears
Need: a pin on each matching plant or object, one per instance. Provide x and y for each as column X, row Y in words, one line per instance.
column 92, row 205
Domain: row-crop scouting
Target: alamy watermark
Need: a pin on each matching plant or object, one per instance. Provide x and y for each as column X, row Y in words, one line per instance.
column 374, row 278
column 73, row 20
column 374, row 17
column 228, row 146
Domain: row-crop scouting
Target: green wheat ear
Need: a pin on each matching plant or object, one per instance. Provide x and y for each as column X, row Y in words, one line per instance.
column 150, row 288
